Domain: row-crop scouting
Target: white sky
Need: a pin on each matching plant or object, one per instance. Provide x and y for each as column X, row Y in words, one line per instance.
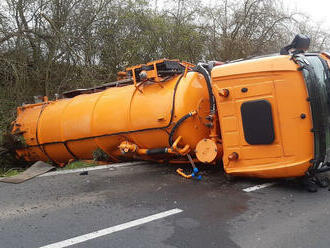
column 319, row 10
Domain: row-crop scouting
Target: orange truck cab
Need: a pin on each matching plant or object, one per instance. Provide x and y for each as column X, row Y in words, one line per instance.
column 275, row 117
column 261, row 117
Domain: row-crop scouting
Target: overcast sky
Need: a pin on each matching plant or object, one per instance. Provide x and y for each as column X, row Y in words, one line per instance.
column 319, row 10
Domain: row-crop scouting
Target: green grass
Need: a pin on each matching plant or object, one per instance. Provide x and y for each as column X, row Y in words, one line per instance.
column 74, row 165
column 10, row 172
column 77, row 165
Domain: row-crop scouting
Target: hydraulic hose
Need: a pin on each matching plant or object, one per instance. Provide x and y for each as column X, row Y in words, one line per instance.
column 156, row 151
column 199, row 68
column 170, row 138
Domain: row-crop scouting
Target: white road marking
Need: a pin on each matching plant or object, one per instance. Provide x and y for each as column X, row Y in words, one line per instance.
column 113, row 229
column 257, row 187
column 98, row 167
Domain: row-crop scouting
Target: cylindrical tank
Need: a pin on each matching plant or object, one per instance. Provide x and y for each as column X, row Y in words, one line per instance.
column 73, row 128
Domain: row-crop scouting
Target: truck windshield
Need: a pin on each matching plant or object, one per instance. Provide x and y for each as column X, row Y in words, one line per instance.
column 316, row 74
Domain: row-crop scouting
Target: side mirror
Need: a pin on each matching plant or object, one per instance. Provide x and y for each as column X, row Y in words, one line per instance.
column 300, row 44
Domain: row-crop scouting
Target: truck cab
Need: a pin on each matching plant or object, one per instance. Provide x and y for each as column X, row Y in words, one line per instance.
column 275, row 120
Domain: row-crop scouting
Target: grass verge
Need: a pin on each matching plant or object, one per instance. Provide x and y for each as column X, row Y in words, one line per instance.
column 10, row 172
column 5, row 172
column 79, row 164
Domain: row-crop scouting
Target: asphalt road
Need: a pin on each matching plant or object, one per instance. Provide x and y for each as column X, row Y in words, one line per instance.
column 216, row 213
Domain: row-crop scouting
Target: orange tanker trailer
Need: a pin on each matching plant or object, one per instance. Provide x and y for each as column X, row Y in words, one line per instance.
column 262, row 117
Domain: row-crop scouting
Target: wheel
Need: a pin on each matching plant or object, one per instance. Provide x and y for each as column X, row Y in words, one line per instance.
column 310, row 184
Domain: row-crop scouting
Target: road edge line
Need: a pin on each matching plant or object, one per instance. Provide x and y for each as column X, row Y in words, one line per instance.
column 98, row 167
column 257, row 187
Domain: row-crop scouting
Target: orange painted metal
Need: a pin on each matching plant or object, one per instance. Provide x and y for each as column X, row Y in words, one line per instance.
column 181, row 173
column 207, row 150
column 277, row 80
column 73, row 128
column 134, row 119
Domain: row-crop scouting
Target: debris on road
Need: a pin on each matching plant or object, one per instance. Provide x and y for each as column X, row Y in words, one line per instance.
column 36, row 169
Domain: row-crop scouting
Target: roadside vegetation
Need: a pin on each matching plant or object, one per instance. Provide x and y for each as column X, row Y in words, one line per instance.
column 47, row 47
column 4, row 172
column 79, row 164
column 8, row 172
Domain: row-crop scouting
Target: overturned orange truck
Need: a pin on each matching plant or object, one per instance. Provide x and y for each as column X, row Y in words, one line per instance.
column 260, row 117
